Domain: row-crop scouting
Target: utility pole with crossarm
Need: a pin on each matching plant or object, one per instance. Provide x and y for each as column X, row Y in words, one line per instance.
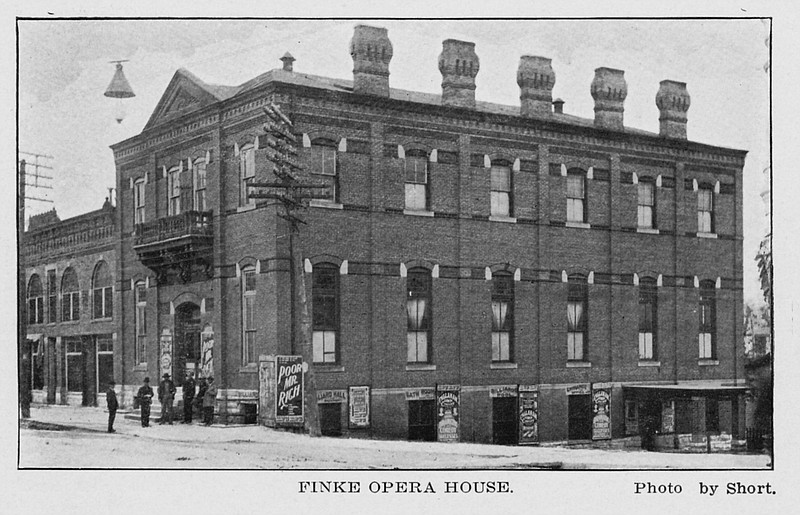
column 293, row 195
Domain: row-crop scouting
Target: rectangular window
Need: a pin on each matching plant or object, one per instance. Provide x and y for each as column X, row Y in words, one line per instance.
column 708, row 329
column 174, row 192
column 416, row 179
column 70, row 306
column 502, row 318
column 248, row 316
column 52, row 297
column 418, row 312
column 647, row 320
column 325, row 320
column 325, row 160
column 140, row 299
column 576, row 196
column 36, row 310
column 646, row 205
column 576, row 320
column 247, row 173
column 705, row 210
column 74, row 363
column 138, row 201
column 501, row 191
column 199, row 172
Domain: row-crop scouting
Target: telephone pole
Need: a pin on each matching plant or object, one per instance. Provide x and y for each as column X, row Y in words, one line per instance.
column 293, row 195
column 23, row 349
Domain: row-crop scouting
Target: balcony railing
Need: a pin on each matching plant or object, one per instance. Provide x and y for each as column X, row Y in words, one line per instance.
column 188, row 224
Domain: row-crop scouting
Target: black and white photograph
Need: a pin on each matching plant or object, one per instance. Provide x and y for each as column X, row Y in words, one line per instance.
column 397, row 259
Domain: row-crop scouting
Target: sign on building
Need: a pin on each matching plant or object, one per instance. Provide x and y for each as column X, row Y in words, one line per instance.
column 165, row 353
column 668, row 417
column 601, row 411
column 359, row 406
column 528, row 415
column 421, row 394
column 331, row 396
column 503, row 391
column 289, row 391
column 448, row 399
column 266, row 390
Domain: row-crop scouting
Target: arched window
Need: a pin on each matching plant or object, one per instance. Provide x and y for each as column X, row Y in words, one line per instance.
column 324, row 164
column 247, row 173
column 248, row 287
column 416, row 178
column 707, row 339
column 35, row 300
column 705, row 209
column 648, row 318
column 325, row 305
column 70, row 296
column 501, row 186
column 502, row 317
column 577, row 295
column 199, row 183
column 576, row 195
column 647, row 203
column 102, row 291
column 140, row 301
column 418, row 312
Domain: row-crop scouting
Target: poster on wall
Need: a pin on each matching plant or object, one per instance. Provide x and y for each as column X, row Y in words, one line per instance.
column 601, row 411
column 266, row 390
column 668, row 417
column 165, row 353
column 447, row 403
column 331, row 396
column 207, row 351
column 289, row 391
column 528, row 415
column 359, row 406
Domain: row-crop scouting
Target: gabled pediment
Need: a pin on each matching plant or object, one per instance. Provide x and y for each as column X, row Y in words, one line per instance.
column 184, row 94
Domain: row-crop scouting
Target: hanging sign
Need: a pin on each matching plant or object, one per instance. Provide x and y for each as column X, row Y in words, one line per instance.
column 331, row 396
column 289, row 392
column 503, row 391
column 421, row 394
column 528, row 415
column 359, row 406
column 448, row 399
column 601, row 410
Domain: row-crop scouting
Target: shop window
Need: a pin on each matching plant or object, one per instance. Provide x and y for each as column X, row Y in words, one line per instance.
column 105, row 360
column 418, row 312
column 502, row 317
column 416, row 179
column 712, row 415
column 325, row 307
column 73, row 350
column 576, row 318
column 648, row 318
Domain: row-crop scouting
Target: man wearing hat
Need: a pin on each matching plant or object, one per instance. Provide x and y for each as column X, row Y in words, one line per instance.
column 166, row 395
column 111, row 401
column 145, row 398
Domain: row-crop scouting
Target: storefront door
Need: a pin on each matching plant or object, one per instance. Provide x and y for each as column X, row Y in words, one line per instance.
column 504, row 420
column 187, row 341
column 330, row 419
column 580, row 417
column 422, row 420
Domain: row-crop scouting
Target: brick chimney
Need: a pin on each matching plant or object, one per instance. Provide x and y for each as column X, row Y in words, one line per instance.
column 459, row 65
column 536, row 79
column 609, row 90
column 673, row 101
column 371, row 51
column 288, row 62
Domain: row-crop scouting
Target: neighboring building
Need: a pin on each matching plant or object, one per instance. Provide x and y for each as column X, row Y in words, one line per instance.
column 72, row 333
column 517, row 260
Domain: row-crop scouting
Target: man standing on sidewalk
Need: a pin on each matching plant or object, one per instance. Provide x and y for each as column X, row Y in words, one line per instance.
column 111, row 401
column 166, row 395
column 208, row 402
column 145, row 396
column 188, row 398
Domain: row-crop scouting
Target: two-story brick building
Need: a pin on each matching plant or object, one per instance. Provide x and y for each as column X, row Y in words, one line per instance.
column 538, row 276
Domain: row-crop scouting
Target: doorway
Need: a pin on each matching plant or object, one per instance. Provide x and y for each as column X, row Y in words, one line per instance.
column 422, row 420
column 504, row 420
column 580, row 417
column 187, row 342
column 330, row 419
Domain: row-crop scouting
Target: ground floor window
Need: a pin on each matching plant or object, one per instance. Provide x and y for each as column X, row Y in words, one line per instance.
column 579, row 410
column 37, row 364
column 330, row 419
column 105, row 361
column 683, row 416
column 712, row 415
column 422, row 420
column 74, row 363
column 504, row 420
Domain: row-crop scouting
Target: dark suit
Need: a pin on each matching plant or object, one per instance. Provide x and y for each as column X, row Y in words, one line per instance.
column 145, row 396
column 188, row 397
column 111, row 401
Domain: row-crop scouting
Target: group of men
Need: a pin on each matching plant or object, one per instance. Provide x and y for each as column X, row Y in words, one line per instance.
column 203, row 401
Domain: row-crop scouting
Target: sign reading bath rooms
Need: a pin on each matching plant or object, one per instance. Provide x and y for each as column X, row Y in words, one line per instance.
column 289, row 391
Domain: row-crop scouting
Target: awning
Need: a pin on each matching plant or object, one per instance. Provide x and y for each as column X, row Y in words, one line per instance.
column 689, row 388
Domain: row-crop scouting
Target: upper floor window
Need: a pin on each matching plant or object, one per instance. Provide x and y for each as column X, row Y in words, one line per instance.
column 174, row 191
column 707, row 338
column 502, row 317
column 35, row 300
column 52, row 297
column 248, row 315
column 247, row 173
column 325, row 164
column 418, row 311
column 648, row 318
column 416, row 178
column 138, row 201
column 577, row 299
column 325, row 305
column 199, row 183
column 501, row 198
column 140, row 321
column 70, row 296
column 647, row 204
column 102, row 292
column 705, row 209
column 576, row 196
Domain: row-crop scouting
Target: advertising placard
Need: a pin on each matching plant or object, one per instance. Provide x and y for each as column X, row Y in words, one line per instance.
column 528, row 415
column 266, row 390
column 289, row 391
column 447, row 403
column 359, row 406
column 601, row 410
column 579, row 389
column 668, row 417
column 165, row 353
column 421, row 394
column 331, row 396
column 503, row 391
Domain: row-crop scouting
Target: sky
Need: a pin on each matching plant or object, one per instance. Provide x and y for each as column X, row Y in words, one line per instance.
column 64, row 68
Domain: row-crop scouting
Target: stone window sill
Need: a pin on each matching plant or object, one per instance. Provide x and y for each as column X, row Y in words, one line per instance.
column 578, row 225
column 647, row 230
column 418, row 212
column 106, row 319
column 644, row 363
column 325, row 369
column 250, row 368
column 707, row 362
column 326, row 204
column 503, row 366
column 579, row 364
column 245, row 208
column 709, row 235
column 415, row 367
column 505, row 219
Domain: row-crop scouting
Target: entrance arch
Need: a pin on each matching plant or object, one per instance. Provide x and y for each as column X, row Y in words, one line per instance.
column 187, row 341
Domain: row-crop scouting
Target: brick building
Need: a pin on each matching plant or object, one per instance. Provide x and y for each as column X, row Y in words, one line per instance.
column 540, row 276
